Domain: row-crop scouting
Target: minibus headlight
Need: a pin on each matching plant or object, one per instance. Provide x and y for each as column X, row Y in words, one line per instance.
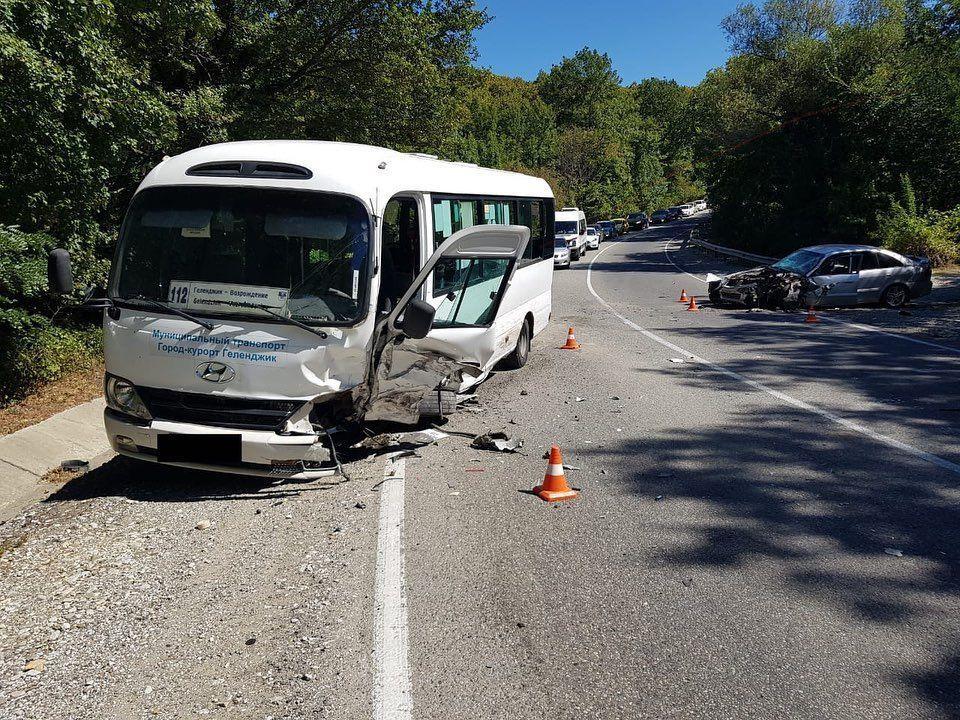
column 122, row 396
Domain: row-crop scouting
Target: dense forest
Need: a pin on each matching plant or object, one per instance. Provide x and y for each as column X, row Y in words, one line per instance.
column 832, row 120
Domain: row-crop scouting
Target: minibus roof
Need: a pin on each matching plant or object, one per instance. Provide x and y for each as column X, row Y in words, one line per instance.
column 363, row 171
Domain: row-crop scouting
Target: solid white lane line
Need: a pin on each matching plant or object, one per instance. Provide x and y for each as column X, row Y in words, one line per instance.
column 888, row 333
column 392, row 694
column 856, row 326
column 783, row 397
column 666, row 252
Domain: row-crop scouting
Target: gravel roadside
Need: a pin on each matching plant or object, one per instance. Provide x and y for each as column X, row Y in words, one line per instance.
column 147, row 592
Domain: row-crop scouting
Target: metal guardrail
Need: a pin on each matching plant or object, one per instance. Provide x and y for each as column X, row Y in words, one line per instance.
column 730, row 252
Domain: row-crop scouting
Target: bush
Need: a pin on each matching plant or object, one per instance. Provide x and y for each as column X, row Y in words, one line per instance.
column 33, row 351
column 40, row 340
column 934, row 234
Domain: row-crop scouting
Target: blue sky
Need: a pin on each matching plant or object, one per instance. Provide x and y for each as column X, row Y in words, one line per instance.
column 680, row 40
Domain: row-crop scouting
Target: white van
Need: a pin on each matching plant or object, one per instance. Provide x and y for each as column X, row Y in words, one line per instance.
column 266, row 293
column 571, row 227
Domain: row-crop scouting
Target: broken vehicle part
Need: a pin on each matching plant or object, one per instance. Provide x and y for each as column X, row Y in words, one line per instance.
column 496, row 442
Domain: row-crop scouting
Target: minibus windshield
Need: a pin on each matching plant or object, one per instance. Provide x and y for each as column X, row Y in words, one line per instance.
column 227, row 251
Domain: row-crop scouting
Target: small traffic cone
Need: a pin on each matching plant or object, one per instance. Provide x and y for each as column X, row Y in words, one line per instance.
column 683, row 297
column 693, row 307
column 572, row 343
column 554, row 487
column 811, row 317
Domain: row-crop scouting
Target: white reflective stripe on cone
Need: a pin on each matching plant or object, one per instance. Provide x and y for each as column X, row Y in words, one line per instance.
column 555, row 470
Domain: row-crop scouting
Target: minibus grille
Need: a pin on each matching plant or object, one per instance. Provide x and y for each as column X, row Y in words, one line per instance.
column 218, row 410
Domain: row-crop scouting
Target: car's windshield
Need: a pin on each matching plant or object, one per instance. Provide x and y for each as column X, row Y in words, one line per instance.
column 800, row 262
column 222, row 251
column 567, row 227
column 559, row 243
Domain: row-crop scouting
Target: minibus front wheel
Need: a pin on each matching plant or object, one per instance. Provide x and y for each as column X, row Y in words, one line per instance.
column 518, row 358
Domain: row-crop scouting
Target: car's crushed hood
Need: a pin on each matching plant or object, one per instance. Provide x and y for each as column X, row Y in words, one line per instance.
column 767, row 287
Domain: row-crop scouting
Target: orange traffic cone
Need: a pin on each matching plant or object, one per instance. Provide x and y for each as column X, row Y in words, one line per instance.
column 572, row 343
column 693, row 307
column 811, row 317
column 683, row 297
column 554, row 487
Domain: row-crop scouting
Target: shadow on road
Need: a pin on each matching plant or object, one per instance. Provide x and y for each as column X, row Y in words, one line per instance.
column 781, row 489
column 147, row 482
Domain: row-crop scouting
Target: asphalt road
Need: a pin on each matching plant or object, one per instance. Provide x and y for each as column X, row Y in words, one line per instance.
column 726, row 558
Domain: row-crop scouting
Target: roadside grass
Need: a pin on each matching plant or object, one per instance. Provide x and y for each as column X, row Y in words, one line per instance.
column 57, row 396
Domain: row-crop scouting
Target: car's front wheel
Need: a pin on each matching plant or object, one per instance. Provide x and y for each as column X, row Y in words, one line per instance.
column 574, row 254
column 896, row 296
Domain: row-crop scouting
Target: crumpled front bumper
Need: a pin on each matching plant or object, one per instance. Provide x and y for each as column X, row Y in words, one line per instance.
column 263, row 453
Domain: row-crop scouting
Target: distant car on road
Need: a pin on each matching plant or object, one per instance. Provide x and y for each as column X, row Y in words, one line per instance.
column 830, row 276
column 593, row 238
column 674, row 213
column 638, row 221
column 623, row 227
column 561, row 253
column 660, row 217
column 688, row 209
column 608, row 228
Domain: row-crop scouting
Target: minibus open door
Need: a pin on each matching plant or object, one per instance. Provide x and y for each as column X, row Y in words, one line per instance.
column 475, row 266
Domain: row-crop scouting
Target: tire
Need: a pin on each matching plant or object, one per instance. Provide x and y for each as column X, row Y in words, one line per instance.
column 438, row 404
column 518, row 358
column 574, row 254
column 896, row 296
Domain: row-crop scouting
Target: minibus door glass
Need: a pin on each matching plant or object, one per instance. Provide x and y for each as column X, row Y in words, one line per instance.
column 404, row 370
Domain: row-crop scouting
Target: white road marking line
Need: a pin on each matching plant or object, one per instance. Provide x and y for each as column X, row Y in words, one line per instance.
column 857, row 326
column 666, row 252
column 889, row 333
column 783, row 397
column 392, row 694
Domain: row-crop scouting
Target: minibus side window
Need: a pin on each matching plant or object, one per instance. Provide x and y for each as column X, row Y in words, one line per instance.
column 450, row 216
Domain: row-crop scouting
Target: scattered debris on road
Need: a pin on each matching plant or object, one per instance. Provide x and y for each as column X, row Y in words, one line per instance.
column 202, row 525
column 400, row 441
column 893, row 551
column 678, row 361
column 496, row 442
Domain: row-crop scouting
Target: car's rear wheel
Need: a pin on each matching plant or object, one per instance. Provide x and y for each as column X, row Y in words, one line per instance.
column 896, row 296
column 518, row 358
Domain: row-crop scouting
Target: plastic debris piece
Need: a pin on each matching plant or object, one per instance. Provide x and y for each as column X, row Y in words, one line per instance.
column 678, row 361
column 893, row 551
column 496, row 442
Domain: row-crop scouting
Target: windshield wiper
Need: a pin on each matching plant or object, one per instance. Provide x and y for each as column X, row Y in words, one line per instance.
column 271, row 311
column 168, row 308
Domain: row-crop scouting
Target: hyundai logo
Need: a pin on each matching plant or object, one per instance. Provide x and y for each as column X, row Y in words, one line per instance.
column 215, row 372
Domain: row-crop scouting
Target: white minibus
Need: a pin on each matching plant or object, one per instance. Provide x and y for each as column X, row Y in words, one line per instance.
column 571, row 227
column 265, row 293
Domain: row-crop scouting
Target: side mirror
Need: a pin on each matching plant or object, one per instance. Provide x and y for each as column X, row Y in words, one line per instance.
column 59, row 272
column 417, row 319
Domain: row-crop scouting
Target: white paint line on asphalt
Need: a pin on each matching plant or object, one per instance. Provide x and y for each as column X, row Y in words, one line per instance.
column 857, row 326
column 392, row 694
column 666, row 252
column 783, row 397
column 888, row 333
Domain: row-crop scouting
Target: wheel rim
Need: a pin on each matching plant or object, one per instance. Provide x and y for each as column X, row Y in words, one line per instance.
column 525, row 342
column 896, row 296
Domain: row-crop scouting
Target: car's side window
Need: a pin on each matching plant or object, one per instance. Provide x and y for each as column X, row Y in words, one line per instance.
column 835, row 265
column 888, row 261
column 865, row 261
